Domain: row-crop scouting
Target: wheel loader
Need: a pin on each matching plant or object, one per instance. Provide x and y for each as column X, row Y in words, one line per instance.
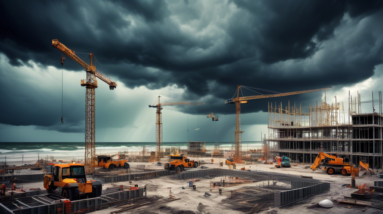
column 70, row 181
column 109, row 164
column 179, row 163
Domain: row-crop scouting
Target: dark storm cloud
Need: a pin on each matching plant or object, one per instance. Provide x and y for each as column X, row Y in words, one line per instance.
column 206, row 47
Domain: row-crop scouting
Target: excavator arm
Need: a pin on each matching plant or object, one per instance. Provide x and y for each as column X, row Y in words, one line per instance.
column 319, row 159
column 89, row 68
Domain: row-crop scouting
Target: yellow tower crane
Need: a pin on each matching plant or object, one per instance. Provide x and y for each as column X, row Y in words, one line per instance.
column 159, row 105
column 238, row 100
column 91, row 84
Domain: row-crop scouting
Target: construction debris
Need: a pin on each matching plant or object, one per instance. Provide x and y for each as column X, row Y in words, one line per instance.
column 256, row 208
column 355, row 202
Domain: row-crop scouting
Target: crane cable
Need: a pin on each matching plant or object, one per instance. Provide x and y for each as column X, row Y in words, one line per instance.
column 62, row 88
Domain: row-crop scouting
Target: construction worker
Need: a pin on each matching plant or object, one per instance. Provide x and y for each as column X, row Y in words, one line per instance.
column 2, row 192
column 14, row 186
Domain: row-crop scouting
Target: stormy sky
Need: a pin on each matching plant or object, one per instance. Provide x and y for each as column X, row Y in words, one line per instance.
column 183, row 51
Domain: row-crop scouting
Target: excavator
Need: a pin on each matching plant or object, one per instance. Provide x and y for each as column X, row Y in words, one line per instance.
column 333, row 164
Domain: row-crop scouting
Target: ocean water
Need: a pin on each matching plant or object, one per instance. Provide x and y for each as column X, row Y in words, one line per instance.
column 27, row 153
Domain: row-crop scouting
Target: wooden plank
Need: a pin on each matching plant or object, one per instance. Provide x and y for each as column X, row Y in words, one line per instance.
column 355, row 202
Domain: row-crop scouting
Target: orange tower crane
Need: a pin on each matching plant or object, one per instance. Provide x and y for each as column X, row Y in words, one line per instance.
column 91, row 84
column 238, row 100
column 159, row 105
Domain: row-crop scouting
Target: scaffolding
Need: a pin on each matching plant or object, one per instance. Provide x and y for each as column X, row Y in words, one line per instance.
column 328, row 128
column 197, row 148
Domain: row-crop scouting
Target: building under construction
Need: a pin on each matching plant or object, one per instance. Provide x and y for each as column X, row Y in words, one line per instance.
column 327, row 128
column 197, row 148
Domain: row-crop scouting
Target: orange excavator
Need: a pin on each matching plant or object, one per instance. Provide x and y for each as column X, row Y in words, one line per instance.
column 332, row 164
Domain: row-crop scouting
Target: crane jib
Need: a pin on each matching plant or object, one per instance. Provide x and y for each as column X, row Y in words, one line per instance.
column 89, row 68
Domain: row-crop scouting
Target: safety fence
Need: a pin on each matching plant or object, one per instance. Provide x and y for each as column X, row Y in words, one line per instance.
column 84, row 205
column 45, row 209
column 299, row 191
column 23, row 178
column 136, row 176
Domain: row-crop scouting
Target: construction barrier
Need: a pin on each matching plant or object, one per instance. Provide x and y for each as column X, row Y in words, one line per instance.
column 305, row 190
column 378, row 183
column 22, row 178
column 30, row 193
column 84, row 205
column 136, row 176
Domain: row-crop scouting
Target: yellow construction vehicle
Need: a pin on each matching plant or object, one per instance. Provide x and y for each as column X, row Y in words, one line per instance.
column 179, row 163
column 230, row 162
column 332, row 164
column 70, row 180
column 108, row 163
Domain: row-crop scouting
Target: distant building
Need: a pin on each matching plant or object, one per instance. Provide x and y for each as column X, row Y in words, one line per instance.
column 197, row 148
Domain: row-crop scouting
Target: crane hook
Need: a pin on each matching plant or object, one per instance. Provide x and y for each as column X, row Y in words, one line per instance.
column 62, row 60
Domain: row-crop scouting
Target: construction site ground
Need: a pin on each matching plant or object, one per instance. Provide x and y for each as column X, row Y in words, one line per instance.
column 196, row 202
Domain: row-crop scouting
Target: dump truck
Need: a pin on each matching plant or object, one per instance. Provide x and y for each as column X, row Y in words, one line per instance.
column 70, row 180
column 230, row 162
column 109, row 164
column 332, row 164
column 179, row 163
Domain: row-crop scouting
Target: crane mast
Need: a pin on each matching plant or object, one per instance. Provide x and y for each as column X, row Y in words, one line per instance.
column 90, row 100
column 159, row 122
column 238, row 100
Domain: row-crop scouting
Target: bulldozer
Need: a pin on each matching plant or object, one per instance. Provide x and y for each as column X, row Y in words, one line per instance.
column 333, row 164
column 179, row 163
column 70, row 180
column 230, row 162
column 109, row 164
